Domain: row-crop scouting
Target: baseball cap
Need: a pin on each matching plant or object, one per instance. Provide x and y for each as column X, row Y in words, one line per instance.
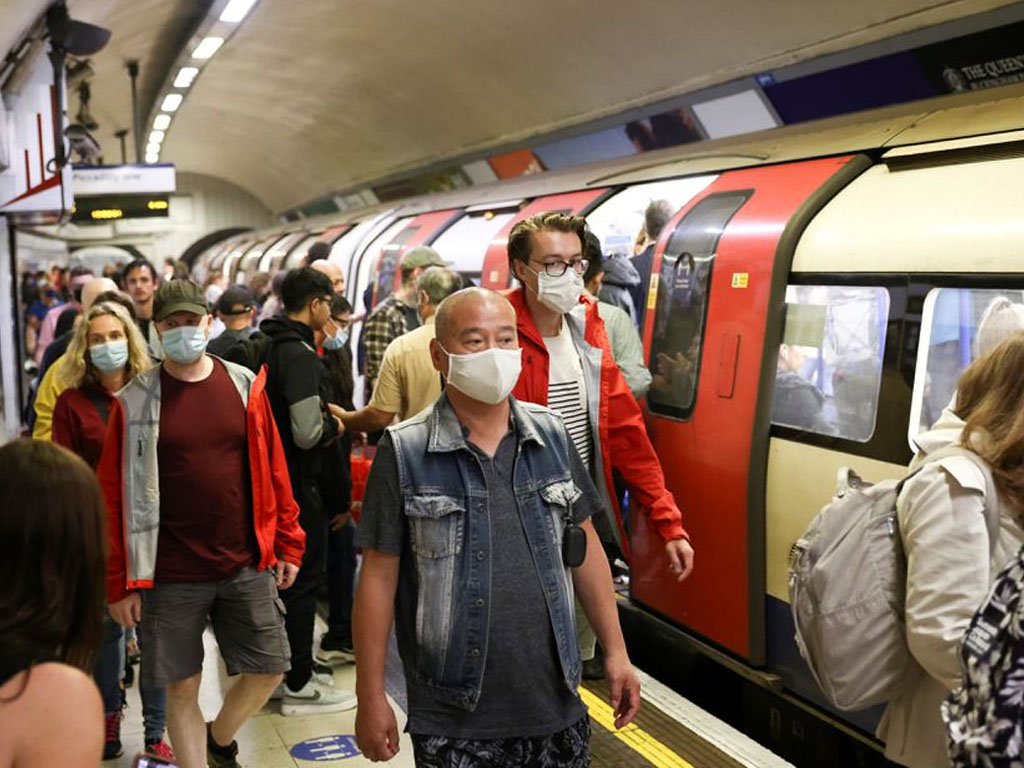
column 422, row 256
column 178, row 296
column 235, row 300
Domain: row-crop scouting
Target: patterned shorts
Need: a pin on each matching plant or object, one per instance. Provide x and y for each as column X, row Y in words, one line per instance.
column 565, row 749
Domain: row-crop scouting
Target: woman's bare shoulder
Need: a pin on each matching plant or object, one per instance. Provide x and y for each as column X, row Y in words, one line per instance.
column 52, row 715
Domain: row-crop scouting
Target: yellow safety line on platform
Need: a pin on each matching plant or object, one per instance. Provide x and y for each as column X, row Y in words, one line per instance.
column 632, row 736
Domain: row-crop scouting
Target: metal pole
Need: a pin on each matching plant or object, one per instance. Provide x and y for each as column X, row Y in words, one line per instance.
column 122, row 134
column 133, row 73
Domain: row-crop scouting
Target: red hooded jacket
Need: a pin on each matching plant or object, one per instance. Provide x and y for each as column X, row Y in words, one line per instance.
column 624, row 444
column 130, row 564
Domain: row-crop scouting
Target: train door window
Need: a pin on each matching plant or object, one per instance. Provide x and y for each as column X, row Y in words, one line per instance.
column 465, row 242
column 275, row 254
column 389, row 262
column 294, row 257
column 829, row 368
column 958, row 325
column 247, row 264
column 618, row 219
column 369, row 261
column 682, row 302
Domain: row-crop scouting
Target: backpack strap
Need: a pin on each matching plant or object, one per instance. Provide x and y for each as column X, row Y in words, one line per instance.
column 991, row 493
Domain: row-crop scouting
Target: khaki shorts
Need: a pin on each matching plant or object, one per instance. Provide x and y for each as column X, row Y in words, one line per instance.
column 247, row 618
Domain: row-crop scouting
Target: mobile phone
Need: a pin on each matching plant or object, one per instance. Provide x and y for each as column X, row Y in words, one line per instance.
column 142, row 760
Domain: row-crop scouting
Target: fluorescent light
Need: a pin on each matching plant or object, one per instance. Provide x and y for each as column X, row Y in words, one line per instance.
column 155, row 137
column 152, row 148
column 152, row 157
column 171, row 102
column 185, row 77
column 236, row 10
column 207, row 48
column 161, row 122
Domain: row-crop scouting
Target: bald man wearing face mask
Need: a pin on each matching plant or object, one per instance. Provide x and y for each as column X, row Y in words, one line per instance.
column 448, row 481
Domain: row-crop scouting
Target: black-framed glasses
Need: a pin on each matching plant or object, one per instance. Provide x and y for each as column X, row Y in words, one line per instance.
column 558, row 268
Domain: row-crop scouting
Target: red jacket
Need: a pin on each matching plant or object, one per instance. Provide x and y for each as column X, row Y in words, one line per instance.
column 624, row 445
column 132, row 559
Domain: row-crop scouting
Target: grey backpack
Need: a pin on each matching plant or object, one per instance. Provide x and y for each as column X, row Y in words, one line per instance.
column 847, row 588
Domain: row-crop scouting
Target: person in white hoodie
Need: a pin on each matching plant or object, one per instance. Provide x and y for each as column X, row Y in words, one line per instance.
column 951, row 559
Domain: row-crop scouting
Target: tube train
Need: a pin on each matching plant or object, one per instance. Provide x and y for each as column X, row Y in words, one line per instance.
column 870, row 244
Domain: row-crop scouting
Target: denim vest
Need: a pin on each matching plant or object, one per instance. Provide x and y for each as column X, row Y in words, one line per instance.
column 443, row 600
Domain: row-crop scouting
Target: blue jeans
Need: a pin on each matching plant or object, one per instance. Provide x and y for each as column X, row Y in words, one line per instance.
column 341, row 577
column 109, row 668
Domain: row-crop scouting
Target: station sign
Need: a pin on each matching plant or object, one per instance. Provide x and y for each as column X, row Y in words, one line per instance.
column 124, row 179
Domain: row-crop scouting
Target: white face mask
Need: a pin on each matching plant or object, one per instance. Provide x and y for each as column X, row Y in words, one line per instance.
column 560, row 294
column 488, row 376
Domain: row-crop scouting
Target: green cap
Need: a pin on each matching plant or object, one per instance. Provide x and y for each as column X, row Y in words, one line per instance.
column 422, row 256
column 178, row 296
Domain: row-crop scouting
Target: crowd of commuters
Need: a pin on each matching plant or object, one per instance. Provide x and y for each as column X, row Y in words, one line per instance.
column 206, row 479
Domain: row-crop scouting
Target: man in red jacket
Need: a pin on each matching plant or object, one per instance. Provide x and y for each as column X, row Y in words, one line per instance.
column 202, row 525
column 568, row 366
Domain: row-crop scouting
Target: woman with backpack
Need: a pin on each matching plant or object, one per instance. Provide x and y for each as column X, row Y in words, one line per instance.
column 960, row 521
column 106, row 352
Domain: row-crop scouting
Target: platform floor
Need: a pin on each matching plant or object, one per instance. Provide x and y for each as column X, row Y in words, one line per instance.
column 669, row 732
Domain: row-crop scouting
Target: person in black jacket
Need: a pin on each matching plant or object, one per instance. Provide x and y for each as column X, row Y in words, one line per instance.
column 797, row 403
column 336, row 643
column 299, row 393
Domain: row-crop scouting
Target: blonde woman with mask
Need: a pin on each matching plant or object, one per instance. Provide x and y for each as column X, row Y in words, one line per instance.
column 106, row 352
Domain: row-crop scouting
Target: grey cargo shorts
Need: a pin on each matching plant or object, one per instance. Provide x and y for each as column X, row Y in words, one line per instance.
column 247, row 617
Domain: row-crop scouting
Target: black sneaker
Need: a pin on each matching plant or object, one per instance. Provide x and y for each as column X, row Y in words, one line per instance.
column 218, row 756
column 333, row 650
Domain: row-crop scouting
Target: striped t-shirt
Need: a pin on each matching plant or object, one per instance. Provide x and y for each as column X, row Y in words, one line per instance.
column 567, row 391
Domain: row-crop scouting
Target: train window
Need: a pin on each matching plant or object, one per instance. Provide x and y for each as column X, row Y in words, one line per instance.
column 294, row 258
column 617, row 221
column 274, row 255
column 465, row 242
column 830, row 360
column 958, row 325
column 682, row 301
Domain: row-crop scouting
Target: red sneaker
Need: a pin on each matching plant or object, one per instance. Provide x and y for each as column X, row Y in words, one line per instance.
column 112, row 735
column 161, row 749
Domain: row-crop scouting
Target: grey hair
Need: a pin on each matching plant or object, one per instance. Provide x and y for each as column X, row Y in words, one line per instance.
column 1001, row 320
column 439, row 283
column 657, row 215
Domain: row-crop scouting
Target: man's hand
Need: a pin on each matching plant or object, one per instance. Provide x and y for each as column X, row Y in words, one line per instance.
column 623, row 688
column 285, row 574
column 376, row 728
column 680, row 558
column 339, row 521
column 336, row 410
column 127, row 612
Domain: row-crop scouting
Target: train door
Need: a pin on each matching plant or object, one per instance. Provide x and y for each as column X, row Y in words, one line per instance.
column 495, row 272
column 465, row 243
column 420, row 231
column 271, row 259
column 711, row 337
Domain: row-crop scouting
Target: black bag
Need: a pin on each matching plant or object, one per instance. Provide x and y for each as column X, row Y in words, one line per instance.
column 985, row 716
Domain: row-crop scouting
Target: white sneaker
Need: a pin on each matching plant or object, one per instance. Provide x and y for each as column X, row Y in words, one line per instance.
column 315, row 698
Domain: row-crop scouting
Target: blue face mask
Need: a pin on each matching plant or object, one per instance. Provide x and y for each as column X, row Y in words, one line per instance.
column 109, row 357
column 184, row 344
column 337, row 341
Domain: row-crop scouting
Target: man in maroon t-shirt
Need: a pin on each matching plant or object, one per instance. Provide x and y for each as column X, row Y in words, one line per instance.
column 203, row 527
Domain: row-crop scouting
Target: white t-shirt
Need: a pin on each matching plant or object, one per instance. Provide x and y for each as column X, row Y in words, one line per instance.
column 567, row 390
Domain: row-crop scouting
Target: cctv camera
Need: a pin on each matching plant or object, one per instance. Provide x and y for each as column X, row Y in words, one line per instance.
column 82, row 142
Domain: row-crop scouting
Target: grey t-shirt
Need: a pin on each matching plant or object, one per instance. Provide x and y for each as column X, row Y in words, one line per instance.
column 523, row 692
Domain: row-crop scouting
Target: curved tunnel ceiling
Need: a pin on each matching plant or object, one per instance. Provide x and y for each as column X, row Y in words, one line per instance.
column 314, row 96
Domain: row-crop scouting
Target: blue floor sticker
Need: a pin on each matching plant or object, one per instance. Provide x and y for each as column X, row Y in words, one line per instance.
column 326, row 748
